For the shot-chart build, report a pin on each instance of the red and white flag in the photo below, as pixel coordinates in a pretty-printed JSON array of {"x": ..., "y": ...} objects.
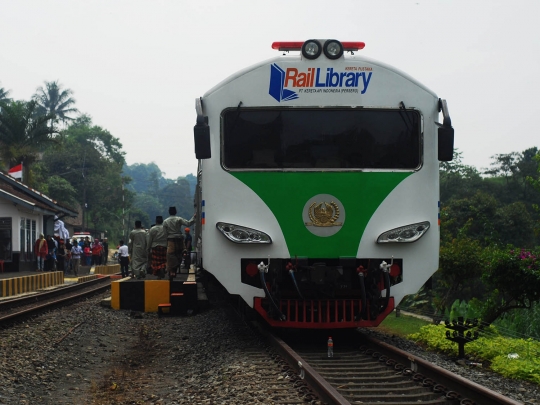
[{"x": 16, "y": 171}]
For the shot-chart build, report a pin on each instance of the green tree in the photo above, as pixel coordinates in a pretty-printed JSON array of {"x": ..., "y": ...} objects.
[
  {"x": 177, "y": 195},
  {"x": 146, "y": 178},
  {"x": 458, "y": 180},
  {"x": 149, "y": 204},
  {"x": 60, "y": 189},
  {"x": 460, "y": 267},
  {"x": 513, "y": 278},
  {"x": 52, "y": 99},
  {"x": 534, "y": 181},
  {"x": 4, "y": 96},
  {"x": 23, "y": 134},
  {"x": 91, "y": 160}
]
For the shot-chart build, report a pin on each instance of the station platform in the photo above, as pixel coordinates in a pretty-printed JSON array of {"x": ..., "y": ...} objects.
[
  {"x": 181, "y": 295},
  {"x": 17, "y": 283},
  {"x": 30, "y": 282}
]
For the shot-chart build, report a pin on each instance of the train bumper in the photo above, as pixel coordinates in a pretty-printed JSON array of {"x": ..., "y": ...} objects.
[{"x": 320, "y": 314}]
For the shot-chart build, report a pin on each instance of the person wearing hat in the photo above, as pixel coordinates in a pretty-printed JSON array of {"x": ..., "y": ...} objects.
[
  {"x": 188, "y": 241},
  {"x": 175, "y": 240},
  {"x": 157, "y": 248},
  {"x": 41, "y": 250},
  {"x": 137, "y": 251}
]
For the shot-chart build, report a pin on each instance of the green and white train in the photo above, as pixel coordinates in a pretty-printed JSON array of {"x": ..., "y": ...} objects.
[{"x": 318, "y": 185}]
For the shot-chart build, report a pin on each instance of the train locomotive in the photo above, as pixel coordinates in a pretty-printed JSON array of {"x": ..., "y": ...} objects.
[{"x": 318, "y": 185}]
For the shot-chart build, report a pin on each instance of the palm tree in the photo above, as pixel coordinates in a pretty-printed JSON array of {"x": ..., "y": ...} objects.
[
  {"x": 4, "y": 95},
  {"x": 23, "y": 133},
  {"x": 54, "y": 100}
]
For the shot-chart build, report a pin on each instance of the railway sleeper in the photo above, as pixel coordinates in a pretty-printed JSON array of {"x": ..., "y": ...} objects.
[
  {"x": 386, "y": 391},
  {"x": 385, "y": 397}
]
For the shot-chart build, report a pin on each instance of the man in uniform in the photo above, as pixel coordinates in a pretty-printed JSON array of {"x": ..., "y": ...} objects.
[
  {"x": 175, "y": 240},
  {"x": 157, "y": 248},
  {"x": 138, "y": 251},
  {"x": 188, "y": 241}
]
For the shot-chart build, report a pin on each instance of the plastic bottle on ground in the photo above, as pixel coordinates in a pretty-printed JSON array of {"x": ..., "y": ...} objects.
[{"x": 330, "y": 347}]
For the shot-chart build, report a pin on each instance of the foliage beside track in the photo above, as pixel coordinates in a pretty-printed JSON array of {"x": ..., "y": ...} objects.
[{"x": 515, "y": 358}]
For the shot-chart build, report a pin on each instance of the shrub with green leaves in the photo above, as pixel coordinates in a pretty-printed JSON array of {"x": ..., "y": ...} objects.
[{"x": 513, "y": 358}]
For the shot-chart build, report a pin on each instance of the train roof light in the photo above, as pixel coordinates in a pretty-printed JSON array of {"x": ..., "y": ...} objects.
[
  {"x": 242, "y": 234},
  {"x": 288, "y": 45},
  {"x": 311, "y": 49},
  {"x": 333, "y": 49},
  {"x": 404, "y": 234},
  {"x": 353, "y": 46}
]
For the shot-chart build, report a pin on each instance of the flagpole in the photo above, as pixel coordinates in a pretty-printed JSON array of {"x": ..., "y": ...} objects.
[{"x": 22, "y": 172}]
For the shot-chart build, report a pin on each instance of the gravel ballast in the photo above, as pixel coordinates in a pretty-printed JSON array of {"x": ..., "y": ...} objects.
[{"x": 89, "y": 354}]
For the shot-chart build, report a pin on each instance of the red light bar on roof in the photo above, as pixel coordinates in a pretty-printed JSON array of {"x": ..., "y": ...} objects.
[
  {"x": 297, "y": 45},
  {"x": 353, "y": 46},
  {"x": 287, "y": 45}
]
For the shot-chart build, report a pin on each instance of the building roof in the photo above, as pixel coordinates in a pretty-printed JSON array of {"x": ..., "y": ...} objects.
[{"x": 20, "y": 194}]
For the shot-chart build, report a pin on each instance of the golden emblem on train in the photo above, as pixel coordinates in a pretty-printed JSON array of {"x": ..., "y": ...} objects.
[{"x": 323, "y": 214}]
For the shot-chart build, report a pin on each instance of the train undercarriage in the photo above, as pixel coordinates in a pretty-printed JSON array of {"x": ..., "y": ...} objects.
[{"x": 323, "y": 293}]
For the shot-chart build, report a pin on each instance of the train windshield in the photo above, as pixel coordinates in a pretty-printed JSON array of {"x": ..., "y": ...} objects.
[{"x": 301, "y": 138}]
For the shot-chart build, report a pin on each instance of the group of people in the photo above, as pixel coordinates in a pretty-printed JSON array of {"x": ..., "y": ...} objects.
[
  {"x": 54, "y": 253},
  {"x": 159, "y": 250}
]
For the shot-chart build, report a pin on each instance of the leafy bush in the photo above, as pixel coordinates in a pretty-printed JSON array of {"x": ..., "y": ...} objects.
[{"x": 513, "y": 358}]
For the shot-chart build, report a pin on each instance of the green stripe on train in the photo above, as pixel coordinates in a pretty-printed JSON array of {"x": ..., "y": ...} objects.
[{"x": 286, "y": 193}]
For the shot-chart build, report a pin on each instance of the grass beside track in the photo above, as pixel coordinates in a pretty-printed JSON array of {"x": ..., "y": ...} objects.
[{"x": 401, "y": 326}]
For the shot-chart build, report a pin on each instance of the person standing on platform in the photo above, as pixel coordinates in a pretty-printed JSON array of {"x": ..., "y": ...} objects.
[
  {"x": 76, "y": 253},
  {"x": 41, "y": 250},
  {"x": 87, "y": 249},
  {"x": 105, "y": 251},
  {"x": 157, "y": 248},
  {"x": 61, "y": 257},
  {"x": 51, "y": 246},
  {"x": 68, "y": 256},
  {"x": 123, "y": 255},
  {"x": 97, "y": 250},
  {"x": 175, "y": 240},
  {"x": 188, "y": 242},
  {"x": 138, "y": 251}
]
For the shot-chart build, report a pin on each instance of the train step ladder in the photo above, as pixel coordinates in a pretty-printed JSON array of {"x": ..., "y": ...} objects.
[
  {"x": 178, "y": 303},
  {"x": 161, "y": 307}
]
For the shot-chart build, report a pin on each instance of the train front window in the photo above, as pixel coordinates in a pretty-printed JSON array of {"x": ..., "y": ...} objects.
[{"x": 297, "y": 138}]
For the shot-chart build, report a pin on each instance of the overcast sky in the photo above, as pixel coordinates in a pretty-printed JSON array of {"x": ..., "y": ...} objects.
[{"x": 137, "y": 66}]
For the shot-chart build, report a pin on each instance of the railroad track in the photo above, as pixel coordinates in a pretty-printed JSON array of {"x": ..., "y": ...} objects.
[
  {"x": 363, "y": 371},
  {"x": 377, "y": 373},
  {"x": 18, "y": 307}
]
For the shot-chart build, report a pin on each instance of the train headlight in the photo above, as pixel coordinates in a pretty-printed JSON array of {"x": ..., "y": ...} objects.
[
  {"x": 333, "y": 49},
  {"x": 242, "y": 234},
  {"x": 311, "y": 49},
  {"x": 404, "y": 234}
]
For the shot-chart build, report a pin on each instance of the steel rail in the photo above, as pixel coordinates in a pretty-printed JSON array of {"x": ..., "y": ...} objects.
[
  {"x": 36, "y": 296},
  {"x": 67, "y": 297},
  {"x": 467, "y": 389},
  {"x": 321, "y": 387}
]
